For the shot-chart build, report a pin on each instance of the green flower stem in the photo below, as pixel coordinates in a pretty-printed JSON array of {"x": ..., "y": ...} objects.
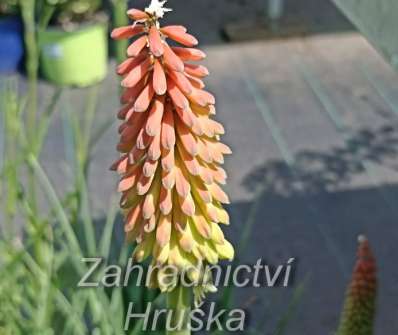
[
  {"x": 32, "y": 60},
  {"x": 10, "y": 160},
  {"x": 179, "y": 302},
  {"x": 47, "y": 12},
  {"x": 32, "y": 67},
  {"x": 120, "y": 19},
  {"x": 28, "y": 9}
]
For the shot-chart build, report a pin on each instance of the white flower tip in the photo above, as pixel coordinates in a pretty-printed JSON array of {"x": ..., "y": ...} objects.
[
  {"x": 362, "y": 238},
  {"x": 156, "y": 8}
]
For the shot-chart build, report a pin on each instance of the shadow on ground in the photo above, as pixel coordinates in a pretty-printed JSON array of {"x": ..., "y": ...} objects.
[
  {"x": 316, "y": 171},
  {"x": 308, "y": 212}
]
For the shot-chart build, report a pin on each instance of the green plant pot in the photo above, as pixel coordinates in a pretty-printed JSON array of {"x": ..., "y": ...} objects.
[{"x": 78, "y": 58}]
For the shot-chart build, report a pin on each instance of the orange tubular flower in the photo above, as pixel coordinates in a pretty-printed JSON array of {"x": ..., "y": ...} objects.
[{"x": 170, "y": 152}]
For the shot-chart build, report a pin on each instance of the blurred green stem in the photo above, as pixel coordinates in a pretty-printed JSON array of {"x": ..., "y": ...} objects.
[
  {"x": 32, "y": 61},
  {"x": 35, "y": 130},
  {"x": 9, "y": 171},
  {"x": 90, "y": 111},
  {"x": 80, "y": 130},
  {"x": 28, "y": 8},
  {"x": 47, "y": 12},
  {"x": 120, "y": 19},
  {"x": 179, "y": 302},
  {"x": 45, "y": 121},
  {"x": 32, "y": 67}
]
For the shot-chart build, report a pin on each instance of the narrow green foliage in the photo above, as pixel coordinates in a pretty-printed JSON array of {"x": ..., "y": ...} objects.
[{"x": 10, "y": 158}]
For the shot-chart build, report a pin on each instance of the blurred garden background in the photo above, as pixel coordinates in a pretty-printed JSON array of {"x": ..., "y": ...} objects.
[{"x": 310, "y": 108}]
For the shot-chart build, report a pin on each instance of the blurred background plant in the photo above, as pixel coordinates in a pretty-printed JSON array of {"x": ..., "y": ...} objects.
[
  {"x": 72, "y": 13},
  {"x": 8, "y": 7},
  {"x": 41, "y": 262},
  {"x": 41, "y": 259}
]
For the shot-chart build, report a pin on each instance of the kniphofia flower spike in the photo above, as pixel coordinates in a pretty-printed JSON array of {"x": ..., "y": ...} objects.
[
  {"x": 170, "y": 152},
  {"x": 359, "y": 309}
]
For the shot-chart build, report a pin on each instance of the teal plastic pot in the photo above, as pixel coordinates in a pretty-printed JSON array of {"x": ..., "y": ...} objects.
[{"x": 77, "y": 58}]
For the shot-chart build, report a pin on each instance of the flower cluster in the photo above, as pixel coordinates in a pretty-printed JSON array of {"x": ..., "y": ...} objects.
[
  {"x": 359, "y": 308},
  {"x": 170, "y": 151}
]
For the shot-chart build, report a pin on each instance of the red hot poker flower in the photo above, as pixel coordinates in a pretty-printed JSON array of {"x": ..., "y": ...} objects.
[
  {"x": 170, "y": 151},
  {"x": 359, "y": 309}
]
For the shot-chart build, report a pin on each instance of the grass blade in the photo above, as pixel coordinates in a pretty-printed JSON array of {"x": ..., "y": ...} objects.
[
  {"x": 106, "y": 239},
  {"x": 56, "y": 204},
  {"x": 292, "y": 308}
]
